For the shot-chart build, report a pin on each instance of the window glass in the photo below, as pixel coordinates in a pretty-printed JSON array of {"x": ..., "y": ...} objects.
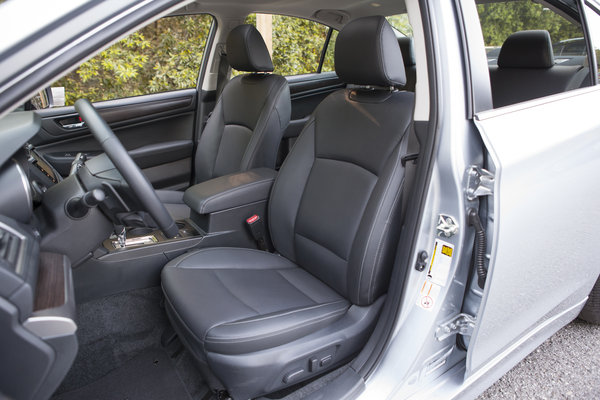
[
  {"x": 329, "y": 60},
  {"x": 401, "y": 24},
  {"x": 165, "y": 55},
  {"x": 593, "y": 24},
  {"x": 499, "y": 20},
  {"x": 295, "y": 44}
]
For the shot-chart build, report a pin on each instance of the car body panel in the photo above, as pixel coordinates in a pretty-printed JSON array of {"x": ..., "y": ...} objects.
[{"x": 546, "y": 189}]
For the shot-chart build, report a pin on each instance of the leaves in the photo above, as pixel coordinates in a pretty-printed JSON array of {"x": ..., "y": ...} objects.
[
  {"x": 499, "y": 20},
  {"x": 165, "y": 55}
]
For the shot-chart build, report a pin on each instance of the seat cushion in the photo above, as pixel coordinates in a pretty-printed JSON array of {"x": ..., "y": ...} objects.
[{"x": 235, "y": 301}]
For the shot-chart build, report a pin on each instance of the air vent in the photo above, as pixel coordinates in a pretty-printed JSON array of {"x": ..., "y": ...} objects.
[{"x": 9, "y": 248}]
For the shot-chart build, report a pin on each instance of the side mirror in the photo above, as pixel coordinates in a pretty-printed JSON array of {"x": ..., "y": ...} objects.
[{"x": 47, "y": 98}]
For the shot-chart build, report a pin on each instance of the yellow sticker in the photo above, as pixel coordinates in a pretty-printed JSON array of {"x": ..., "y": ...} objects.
[
  {"x": 447, "y": 250},
  {"x": 441, "y": 262}
]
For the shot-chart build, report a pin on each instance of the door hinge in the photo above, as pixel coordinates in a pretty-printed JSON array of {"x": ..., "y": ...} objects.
[
  {"x": 462, "y": 324},
  {"x": 480, "y": 182}
]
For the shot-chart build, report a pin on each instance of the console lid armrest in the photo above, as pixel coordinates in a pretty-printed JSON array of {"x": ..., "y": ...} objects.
[{"x": 230, "y": 191}]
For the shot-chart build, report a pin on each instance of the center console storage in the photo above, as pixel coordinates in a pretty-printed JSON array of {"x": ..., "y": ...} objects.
[{"x": 224, "y": 204}]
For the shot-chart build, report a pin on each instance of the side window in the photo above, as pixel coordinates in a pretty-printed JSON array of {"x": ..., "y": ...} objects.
[
  {"x": 329, "y": 59},
  {"x": 401, "y": 24},
  {"x": 527, "y": 71},
  {"x": 592, "y": 14},
  {"x": 165, "y": 55},
  {"x": 296, "y": 44},
  {"x": 500, "y": 19}
]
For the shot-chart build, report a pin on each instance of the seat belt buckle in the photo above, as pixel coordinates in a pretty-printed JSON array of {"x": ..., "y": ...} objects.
[{"x": 258, "y": 231}]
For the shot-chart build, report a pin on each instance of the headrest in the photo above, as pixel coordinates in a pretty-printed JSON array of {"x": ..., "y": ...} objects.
[
  {"x": 527, "y": 49},
  {"x": 247, "y": 51},
  {"x": 406, "y": 47},
  {"x": 367, "y": 53}
]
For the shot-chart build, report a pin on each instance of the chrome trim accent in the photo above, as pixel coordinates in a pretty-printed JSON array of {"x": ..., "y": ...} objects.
[{"x": 48, "y": 327}]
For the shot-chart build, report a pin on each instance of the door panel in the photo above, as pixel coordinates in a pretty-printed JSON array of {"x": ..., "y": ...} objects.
[
  {"x": 157, "y": 130},
  {"x": 546, "y": 216}
]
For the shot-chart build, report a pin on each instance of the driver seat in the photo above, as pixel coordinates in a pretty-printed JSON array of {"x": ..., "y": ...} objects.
[
  {"x": 245, "y": 128},
  {"x": 258, "y": 321}
]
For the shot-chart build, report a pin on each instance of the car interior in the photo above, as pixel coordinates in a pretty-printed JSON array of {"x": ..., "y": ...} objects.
[{"x": 231, "y": 242}]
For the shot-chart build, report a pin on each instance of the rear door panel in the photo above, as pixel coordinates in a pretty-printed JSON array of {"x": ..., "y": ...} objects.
[
  {"x": 156, "y": 129},
  {"x": 546, "y": 217}
]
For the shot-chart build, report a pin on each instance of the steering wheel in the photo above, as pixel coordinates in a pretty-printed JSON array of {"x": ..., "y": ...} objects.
[{"x": 127, "y": 167}]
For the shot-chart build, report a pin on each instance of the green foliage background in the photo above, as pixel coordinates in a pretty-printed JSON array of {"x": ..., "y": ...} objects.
[
  {"x": 167, "y": 54},
  {"x": 297, "y": 45},
  {"x": 499, "y": 20}
]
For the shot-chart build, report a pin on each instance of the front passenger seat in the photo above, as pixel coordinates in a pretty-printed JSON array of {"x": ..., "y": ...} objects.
[
  {"x": 245, "y": 128},
  {"x": 259, "y": 321}
]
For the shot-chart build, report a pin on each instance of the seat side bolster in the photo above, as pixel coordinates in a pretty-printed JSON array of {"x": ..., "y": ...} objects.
[{"x": 267, "y": 331}]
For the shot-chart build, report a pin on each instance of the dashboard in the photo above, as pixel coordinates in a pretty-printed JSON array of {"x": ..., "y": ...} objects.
[{"x": 37, "y": 302}]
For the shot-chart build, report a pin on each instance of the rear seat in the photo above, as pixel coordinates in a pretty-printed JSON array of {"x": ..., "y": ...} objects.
[
  {"x": 526, "y": 70},
  {"x": 408, "y": 55}
]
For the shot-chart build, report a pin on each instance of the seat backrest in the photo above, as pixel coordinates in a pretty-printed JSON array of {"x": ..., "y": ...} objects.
[
  {"x": 408, "y": 55},
  {"x": 245, "y": 128},
  {"x": 526, "y": 70},
  {"x": 335, "y": 203}
]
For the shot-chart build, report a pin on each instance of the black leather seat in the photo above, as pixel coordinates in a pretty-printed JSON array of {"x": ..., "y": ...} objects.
[
  {"x": 259, "y": 321},
  {"x": 245, "y": 128},
  {"x": 408, "y": 55},
  {"x": 526, "y": 70}
]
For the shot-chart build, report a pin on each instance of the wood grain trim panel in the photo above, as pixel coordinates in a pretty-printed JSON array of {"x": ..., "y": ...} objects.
[{"x": 50, "y": 288}]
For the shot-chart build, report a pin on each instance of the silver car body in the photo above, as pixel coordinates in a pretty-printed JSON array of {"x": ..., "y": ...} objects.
[{"x": 542, "y": 208}]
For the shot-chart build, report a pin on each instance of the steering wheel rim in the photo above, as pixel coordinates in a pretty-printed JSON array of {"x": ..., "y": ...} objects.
[{"x": 132, "y": 174}]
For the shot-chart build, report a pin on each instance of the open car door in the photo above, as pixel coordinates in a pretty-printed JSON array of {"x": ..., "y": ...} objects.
[{"x": 542, "y": 226}]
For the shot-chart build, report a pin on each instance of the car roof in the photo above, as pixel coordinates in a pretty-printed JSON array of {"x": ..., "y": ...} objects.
[{"x": 334, "y": 13}]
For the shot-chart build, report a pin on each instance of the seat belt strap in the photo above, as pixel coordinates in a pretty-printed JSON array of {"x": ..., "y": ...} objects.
[{"x": 409, "y": 161}]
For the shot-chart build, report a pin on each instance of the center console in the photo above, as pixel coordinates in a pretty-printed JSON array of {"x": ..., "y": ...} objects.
[{"x": 219, "y": 210}]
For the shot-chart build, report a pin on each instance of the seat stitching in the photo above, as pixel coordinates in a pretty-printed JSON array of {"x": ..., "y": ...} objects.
[
  {"x": 372, "y": 230},
  {"x": 217, "y": 249},
  {"x": 263, "y": 120},
  {"x": 300, "y": 290},
  {"x": 188, "y": 329},
  {"x": 228, "y": 192},
  {"x": 214, "y": 339},
  {"x": 403, "y": 145},
  {"x": 291, "y": 312},
  {"x": 319, "y": 244},
  {"x": 379, "y": 252},
  {"x": 346, "y": 162}
]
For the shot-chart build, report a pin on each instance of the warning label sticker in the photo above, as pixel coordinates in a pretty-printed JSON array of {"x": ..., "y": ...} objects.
[
  {"x": 428, "y": 295},
  {"x": 441, "y": 260},
  {"x": 437, "y": 275}
]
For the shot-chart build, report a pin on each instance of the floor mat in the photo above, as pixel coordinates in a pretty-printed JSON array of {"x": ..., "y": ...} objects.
[{"x": 148, "y": 376}]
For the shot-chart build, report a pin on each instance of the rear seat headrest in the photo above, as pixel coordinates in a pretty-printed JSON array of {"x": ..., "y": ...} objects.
[
  {"x": 406, "y": 47},
  {"x": 527, "y": 49},
  {"x": 247, "y": 51},
  {"x": 367, "y": 53}
]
